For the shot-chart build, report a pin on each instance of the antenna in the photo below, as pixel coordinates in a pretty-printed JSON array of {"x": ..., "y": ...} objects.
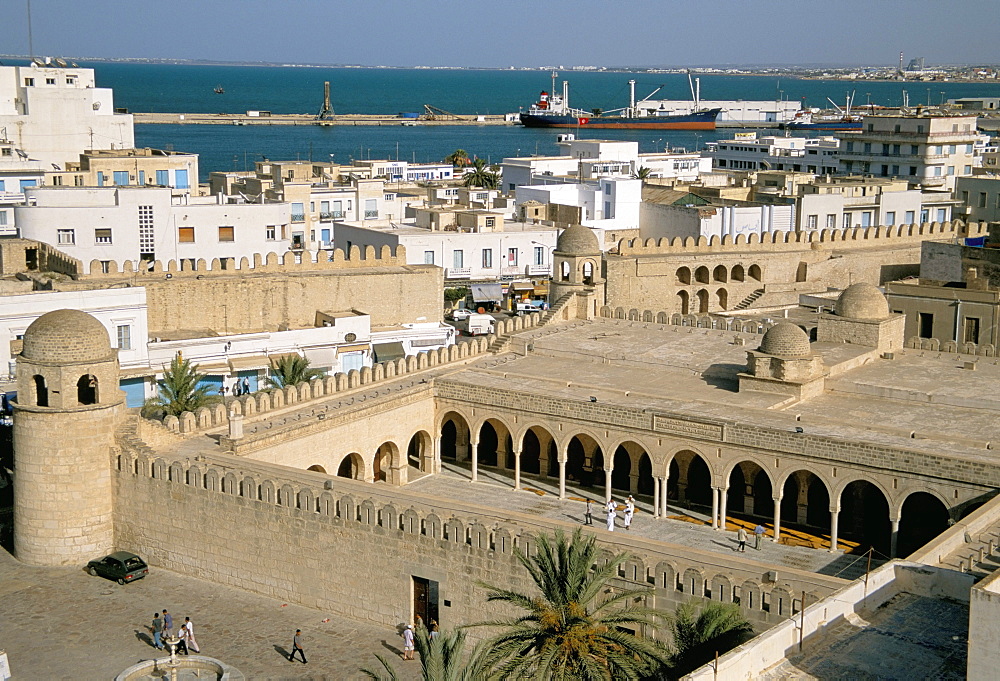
[{"x": 31, "y": 42}]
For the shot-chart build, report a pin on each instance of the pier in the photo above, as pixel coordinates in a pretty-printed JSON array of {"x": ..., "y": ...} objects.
[{"x": 267, "y": 118}]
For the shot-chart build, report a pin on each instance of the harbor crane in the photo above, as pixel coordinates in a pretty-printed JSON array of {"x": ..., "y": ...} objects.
[
  {"x": 433, "y": 114},
  {"x": 326, "y": 111}
]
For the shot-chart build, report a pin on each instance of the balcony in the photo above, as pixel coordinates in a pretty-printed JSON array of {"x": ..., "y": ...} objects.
[
  {"x": 298, "y": 217},
  {"x": 511, "y": 271},
  {"x": 371, "y": 215},
  {"x": 325, "y": 215},
  {"x": 458, "y": 273},
  {"x": 539, "y": 270}
]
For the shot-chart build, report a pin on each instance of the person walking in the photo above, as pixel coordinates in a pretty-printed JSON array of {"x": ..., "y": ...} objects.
[
  {"x": 408, "y": 642},
  {"x": 741, "y": 537},
  {"x": 188, "y": 631},
  {"x": 612, "y": 514},
  {"x": 246, "y": 385},
  {"x": 758, "y": 532},
  {"x": 297, "y": 647},
  {"x": 157, "y": 631},
  {"x": 168, "y": 624},
  {"x": 629, "y": 511},
  {"x": 588, "y": 516}
]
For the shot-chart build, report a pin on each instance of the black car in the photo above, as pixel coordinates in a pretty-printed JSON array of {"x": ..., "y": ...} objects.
[{"x": 121, "y": 566}]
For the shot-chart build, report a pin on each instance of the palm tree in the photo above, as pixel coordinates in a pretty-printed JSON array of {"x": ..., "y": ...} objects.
[
  {"x": 641, "y": 173},
  {"x": 576, "y": 627},
  {"x": 179, "y": 390},
  {"x": 441, "y": 658},
  {"x": 458, "y": 158},
  {"x": 291, "y": 369},
  {"x": 719, "y": 627},
  {"x": 481, "y": 176}
]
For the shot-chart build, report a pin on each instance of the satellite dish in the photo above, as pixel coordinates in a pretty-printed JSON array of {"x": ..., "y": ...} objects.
[
  {"x": 61, "y": 62},
  {"x": 37, "y": 61},
  {"x": 73, "y": 64},
  {"x": 21, "y": 153}
]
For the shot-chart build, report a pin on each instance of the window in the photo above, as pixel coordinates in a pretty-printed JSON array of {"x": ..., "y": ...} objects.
[
  {"x": 920, "y": 129},
  {"x": 607, "y": 189},
  {"x": 914, "y": 150},
  {"x": 29, "y": 82},
  {"x": 482, "y": 196},
  {"x": 487, "y": 258},
  {"x": 942, "y": 214},
  {"x": 847, "y": 221},
  {"x": 895, "y": 149},
  {"x": 124, "y": 334},
  {"x": 913, "y": 170},
  {"x": 3, "y": 217},
  {"x": 78, "y": 180},
  {"x": 181, "y": 178},
  {"x": 458, "y": 259},
  {"x": 227, "y": 234},
  {"x": 539, "y": 255},
  {"x": 910, "y": 215},
  {"x": 102, "y": 235},
  {"x": 982, "y": 199},
  {"x": 298, "y": 212},
  {"x": 951, "y": 148},
  {"x": 895, "y": 170},
  {"x": 924, "y": 215},
  {"x": 967, "y": 170},
  {"x": 269, "y": 233},
  {"x": 71, "y": 80},
  {"x": 491, "y": 222},
  {"x": 850, "y": 146},
  {"x": 50, "y": 81},
  {"x": 371, "y": 209},
  {"x": 163, "y": 177},
  {"x": 896, "y": 128},
  {"x": 428, "y": 257},
  {"x": 831, "y": 221},
  {"x": 512, "y": 257},
  {"x": 65, "y": 237},
  {"x": 937, "y": 171},
  {"x": 185, "y": 235},
  {"x": 925, "y": 320},
  {"x": 951, "y": 170},
  {"x": 100, "y": 179},
  {"x": 812, "y": 222},
  {"x": 121, "y": 178},
  {"x": 868, "y": 147},
  {"x": 890, "y": 218},
  {"x": 971, "y": 330}
]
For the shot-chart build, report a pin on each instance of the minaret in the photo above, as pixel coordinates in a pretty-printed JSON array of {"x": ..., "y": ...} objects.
[
  {"x": 577, "y": 267},
  {"x": 68, "y": 406}
]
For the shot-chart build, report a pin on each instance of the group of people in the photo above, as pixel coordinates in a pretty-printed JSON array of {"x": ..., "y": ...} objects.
[
  {"x": 612, "y": 511},
  {"x": 163, "y": 628},
  {"x": 741, "y": 537},
  {"x": 409, "y": 636},
  {"x": 239, "y": 388}
]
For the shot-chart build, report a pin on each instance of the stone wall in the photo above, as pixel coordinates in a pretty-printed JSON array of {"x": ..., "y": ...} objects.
[{"x": 351, "y": 547}]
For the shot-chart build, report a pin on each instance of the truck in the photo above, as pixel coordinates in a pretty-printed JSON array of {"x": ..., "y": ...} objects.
[{"x": 480, "y": 324}]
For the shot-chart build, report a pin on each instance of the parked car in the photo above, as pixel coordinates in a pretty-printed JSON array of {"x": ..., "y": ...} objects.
[
  {"x": 460, "y": 314},
  {"x": 121, "y": 566}
]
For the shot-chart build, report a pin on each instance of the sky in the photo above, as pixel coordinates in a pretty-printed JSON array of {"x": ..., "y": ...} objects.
[{"x": 506, "y": 33}]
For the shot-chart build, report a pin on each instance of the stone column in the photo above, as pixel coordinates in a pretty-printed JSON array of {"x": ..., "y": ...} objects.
[
  {"x": 633, "y": 483},
  {"x": 715, "y": 508},
  {"x": 656, "y": 497},
  {"x": 663, "y": 494},
  {"x": 474, "y": 449},
  {"x": 517, "y": 467},
  {"x": 724, "y": 493},
  {"x": 834, "y": 519},
  {"x": 462, "y": 446},
  {"x": 777, "y": 519},
  {"x": 894, "y": 537},
  {"x": 502, "y": 458},
  {"x": 544, "y": 445},
  {"x": 607, "y": 486},
  {"x": 562, "y": 477},
  {"x": 437, "y": 455}
]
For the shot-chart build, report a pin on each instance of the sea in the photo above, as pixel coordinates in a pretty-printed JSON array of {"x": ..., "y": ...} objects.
[{"x": 183, "y": 88}]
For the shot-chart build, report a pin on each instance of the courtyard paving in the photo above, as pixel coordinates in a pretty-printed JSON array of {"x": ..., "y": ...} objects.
[
  {"x": 61, "y": 623},
  {"x": 540, "y": 497}
]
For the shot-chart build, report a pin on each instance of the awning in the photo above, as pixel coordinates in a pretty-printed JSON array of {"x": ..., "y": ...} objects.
[
  {"x": 321, "y": 357},
  {"x": 521, "y": 286},
  {"x": 278, "y": 356},
  {"x": 211, "y": 368},
  {"x": 385, "y": 352},
  {"x": 249, "y": 362},
  {"x": 486, "y": 293},
  {"x": 136, "y": 372},
  {"x": 356, "y": 347}
]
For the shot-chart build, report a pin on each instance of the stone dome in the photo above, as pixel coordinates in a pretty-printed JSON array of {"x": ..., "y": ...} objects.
[
  {"x": 578, "y": 240},
  {"x": 862, "y": 301},
  {"x": 66, "y": 336},
  {"x": 785, "y": 339}
]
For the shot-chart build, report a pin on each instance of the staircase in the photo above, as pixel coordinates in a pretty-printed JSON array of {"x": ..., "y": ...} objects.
[
  {"x": 749, "y": 300},
  {"x": 501, "y": 343}
]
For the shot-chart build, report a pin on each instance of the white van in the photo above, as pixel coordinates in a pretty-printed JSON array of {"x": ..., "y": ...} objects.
[{"x": 481, "y": 324}]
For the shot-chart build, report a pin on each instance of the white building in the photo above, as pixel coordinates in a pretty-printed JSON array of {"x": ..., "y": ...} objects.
[
  {"x": 132, "y": 223},
  {"x": 404, "y": 171},
  {"x": 17, "y": 173},
  {"x": 609, "y": 205},
  {"x": 53, "y": 113},
  {"x": 682, "y": 214},
  {"x": 747, "y": 151},
  {"x": 481, "y": 246},
  {"x": 843, "y": 202},
  {"x": 929, "y": 149},
  {"x": 734, "y": 112}
]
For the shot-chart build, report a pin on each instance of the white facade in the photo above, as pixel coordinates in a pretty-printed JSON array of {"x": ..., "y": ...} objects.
[
  {"x": 404, "y": 171},
  {"x": 667, "y": 221},
  {"x": 55, "y": 113},
  {"x": 929, "y": 150},
  {"x": 610, "y": 204},
  {"x": 17, "y": 173},
  {"x": 119, "y": 224},
  {"x": 122, "y": 311},
  {"x": 842, "y": 203},
  {"x": 518, "y": 250},
  {"x": 817, "y": 155}
]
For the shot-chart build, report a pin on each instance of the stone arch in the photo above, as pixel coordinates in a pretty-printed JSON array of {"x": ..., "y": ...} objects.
[
  {"x": 316, "y": 468},
  {"x": 684, "y": 275},
  {"x": 87, "y": 390},
  {"x": 420, "y": 451},
  {"x": 492, "y": 438},
  {"x": 39, "y": 391},
  {"x": 385, "y": 459},
  {"x": 737, "y": 273},
  {"x": 684, "y": 302},
  {"x": 351, "y": 466},
  {"x": 864, "y": 515},
  {"x": 922, "y": 516},
  {"x": 805, "y": 499},
  {"x": 754, "y": 272},
  {"x": 690, "y": 480},
  {"x": 720, "y": 274},
  {"x": 702, "y": 301},
  {"x": 722, "y": 299},
  {"x": 538, "y": 451},
  {"x": 454, "y": 431},
  {"x": 751, "y": 489},
  {"x": 585, "y": 460},
  {"x": 701, "y": 275}
]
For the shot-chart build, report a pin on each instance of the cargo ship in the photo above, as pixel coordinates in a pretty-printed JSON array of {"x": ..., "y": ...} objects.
[
  {"x": 843, "y": 119},
  {"x": 553, "y": 111}
]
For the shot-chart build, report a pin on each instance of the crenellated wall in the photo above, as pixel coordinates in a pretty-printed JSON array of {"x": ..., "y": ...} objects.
[{"x": 352, "y": 547}]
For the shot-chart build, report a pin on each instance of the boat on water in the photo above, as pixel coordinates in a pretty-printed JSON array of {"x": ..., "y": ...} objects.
[
  {"x": 218, "y": 90},
  {"x": 843, "y": 119},
  {"x": 553, "y": 111}
]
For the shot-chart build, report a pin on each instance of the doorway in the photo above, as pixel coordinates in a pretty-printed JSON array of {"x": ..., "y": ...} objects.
[{"x": 425, "y": 600}]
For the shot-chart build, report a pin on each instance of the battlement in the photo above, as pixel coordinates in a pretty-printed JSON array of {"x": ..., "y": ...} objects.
[
  {"x": 854, "y": 237},
  {"x": 289, "y": 262}
]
